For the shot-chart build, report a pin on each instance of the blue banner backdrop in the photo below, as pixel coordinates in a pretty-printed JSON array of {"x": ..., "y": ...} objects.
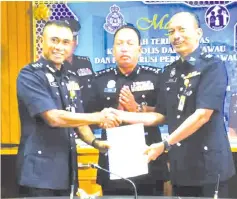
[{"x": 99, "y": 20}]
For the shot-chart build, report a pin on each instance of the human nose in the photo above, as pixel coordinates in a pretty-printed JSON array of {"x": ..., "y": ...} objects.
[
  {"x": 124, "y": 47},
  {"x": 177, "y": 35},
  {"x": 59, "y": 46}
]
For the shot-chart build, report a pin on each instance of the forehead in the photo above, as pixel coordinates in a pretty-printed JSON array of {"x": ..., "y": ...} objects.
[
  {"x": 182, "y": 20},
  {"x": 59, "y": 32},
  {"x": 126, "y": 34}
]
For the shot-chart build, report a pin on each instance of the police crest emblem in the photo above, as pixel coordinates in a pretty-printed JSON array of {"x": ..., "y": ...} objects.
[
  {"x": 113, "y": 20},
  {"x": 172, "y": 73}
]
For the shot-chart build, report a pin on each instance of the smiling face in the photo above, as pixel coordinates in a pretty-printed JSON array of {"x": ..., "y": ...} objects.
[
  {"x": 184, "y": 33},
  {"x": 126, "y": 49},
  {"x": 57, "y": 44}
]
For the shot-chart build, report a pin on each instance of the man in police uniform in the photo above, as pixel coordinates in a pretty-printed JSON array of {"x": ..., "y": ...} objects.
[
  {"x": 191, "y": 103},
  {"x": 81, "y": 65},
  {"x": 129, "y": 87},
  {"x": 50, "y": 107}
]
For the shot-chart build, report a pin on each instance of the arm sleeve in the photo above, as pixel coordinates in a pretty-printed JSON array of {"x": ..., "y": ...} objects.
[
  {"x": 212, "y": 87},
  {"x": 32, "y": 91}
]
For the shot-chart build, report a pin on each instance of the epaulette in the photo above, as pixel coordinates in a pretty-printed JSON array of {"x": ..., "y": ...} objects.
[
  {"x": 153, "y": 69},
  {"x": 36, "y": 65},
  {"x": 105, "y": 71},
  {"x": 83, "y": 57},
  {"x": 206, "y": 56},
  {"x": 71, "y": 72}
]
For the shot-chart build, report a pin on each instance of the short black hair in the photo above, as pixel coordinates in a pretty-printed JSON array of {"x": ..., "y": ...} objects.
[
  {"x": 74, "y": 24},
  {"x": 58, "y": 23},
  {"x": 129, "y": 26}
]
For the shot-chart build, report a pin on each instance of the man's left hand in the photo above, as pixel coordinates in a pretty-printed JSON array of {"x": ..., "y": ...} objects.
[
  {"x": 154, "y": 151},
  {"x": 127, "y": 100},
  {"x": 102, "y": 145}
]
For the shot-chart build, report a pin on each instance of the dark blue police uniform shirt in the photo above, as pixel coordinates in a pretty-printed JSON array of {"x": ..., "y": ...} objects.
[
  {"x": 81, "y": 65},
  {"x": 44, "y": 152},
  {"x": 201, "y": 157},
  {"x": 105, "y": 93}
]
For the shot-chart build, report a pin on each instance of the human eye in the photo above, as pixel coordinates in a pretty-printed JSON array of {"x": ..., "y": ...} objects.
[
  {"x": 170, "y": 32},
  {"x": 55, "y": 40},
  {"x": 131, "y": 43},
  {"x": 66, "y": 42},
  {"x": 182, "y": 29}
]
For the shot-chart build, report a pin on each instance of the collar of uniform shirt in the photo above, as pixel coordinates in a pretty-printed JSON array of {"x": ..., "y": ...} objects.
[
  {"x": 134, "y": 72},
  {"x": 191, "y": 58}
]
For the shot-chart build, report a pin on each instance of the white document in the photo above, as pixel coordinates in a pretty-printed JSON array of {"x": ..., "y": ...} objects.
[{"x": 126, "y": 155}]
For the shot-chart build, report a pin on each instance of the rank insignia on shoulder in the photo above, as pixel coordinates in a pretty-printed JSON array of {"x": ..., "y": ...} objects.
[
  {"x": 37, "y": 65},
  {"x": 208, "y": 56},
  {"x": 151, "y": 68},
  {"x": 107, "y": 70},
  {"x": 192, "y": 59},
  {"x": 83, "y": 58}
]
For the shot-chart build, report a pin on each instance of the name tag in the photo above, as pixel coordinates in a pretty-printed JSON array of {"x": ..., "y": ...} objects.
[
  {"x": 110, "y": 90},
  {"x": 181, "y": 103}
]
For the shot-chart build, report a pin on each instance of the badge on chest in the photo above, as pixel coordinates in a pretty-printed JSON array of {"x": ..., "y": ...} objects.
[
  {"x": 111, "y": 87},
  {"x": 187, "y": 92}
]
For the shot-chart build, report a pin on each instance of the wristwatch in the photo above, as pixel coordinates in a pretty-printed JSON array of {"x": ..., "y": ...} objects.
[{"x": 167, "y": 146}]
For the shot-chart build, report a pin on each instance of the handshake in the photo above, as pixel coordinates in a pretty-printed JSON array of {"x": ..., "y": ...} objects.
[{"x": 110, "y": 117}]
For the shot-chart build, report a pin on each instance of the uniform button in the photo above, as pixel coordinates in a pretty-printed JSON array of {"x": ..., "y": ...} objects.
[
  {"x": 178, "y": 144},
  {"x": 62, "y": 83},
  {"x": 39, "y": 152},
  {"x": 66, "y": 96},
  {"x": 143, "y": 96},
  {"x": 178, "y": 116},
  {"x": 168, "y": 88},
  {"x": 70, "y": 135},
  {"x": 57, "y": 93},
  {"x": 89, "y": 80},
  {"x": 75, "y": 97},
  {"x": 81, "y": 101},
  {"x": 190, "y": 85},
  {"x": 182, "y": 75},
  {"x": 71, "y": 148},
  {"x": 108, "y": 98},
  {"x": 205, "y": 148},
  {"x": 181, "y": 88},
  {"x": 89, "y": 86}
]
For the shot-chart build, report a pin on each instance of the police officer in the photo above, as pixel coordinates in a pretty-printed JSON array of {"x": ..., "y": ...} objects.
[
  {"x": 81, "y": 65},
  {"x": 49, "y": 106},
  {"x": 191, "y": 103},
  {"x": 130, "y": 87}
]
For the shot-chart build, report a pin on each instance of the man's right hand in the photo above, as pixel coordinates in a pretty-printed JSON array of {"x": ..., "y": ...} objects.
[{"x": 109, "y": 118}]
